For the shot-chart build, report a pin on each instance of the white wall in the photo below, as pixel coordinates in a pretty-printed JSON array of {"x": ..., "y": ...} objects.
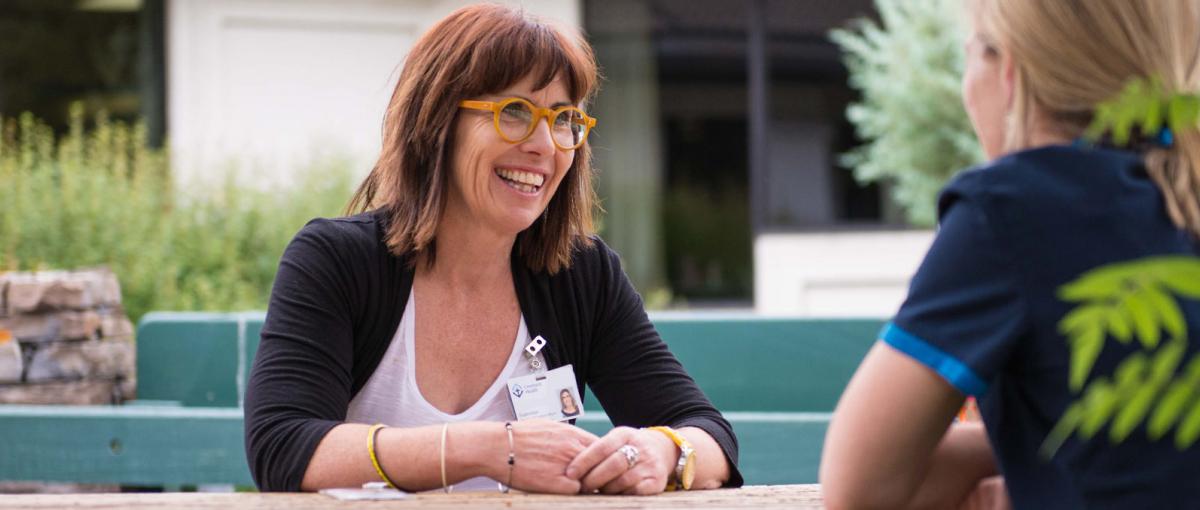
[
  {"x": 275, "y": 84},
  {"x": 836, "y": 274}
]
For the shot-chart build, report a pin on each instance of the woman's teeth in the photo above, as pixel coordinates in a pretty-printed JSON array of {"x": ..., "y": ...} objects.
[{"x": 527, "y": 182}]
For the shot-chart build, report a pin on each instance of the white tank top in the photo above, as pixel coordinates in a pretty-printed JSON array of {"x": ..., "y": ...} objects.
[{"x": 391, "y": 395}]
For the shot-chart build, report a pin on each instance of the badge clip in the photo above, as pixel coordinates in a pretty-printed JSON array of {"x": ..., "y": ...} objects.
[
  {"x": 535, "y": 345},
  {"x": 531, "y": 351}
]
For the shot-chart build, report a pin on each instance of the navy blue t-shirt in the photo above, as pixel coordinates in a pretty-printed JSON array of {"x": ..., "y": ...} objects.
[{"x": 1059, "y": 293}]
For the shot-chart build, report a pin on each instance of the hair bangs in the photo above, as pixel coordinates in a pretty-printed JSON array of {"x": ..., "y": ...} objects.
[{"x": 520, "y": 48}]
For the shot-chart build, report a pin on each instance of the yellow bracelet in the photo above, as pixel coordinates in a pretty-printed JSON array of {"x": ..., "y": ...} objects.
[
  {"x": 371, "y": 433},
  {"x": 685, "y": 470}
]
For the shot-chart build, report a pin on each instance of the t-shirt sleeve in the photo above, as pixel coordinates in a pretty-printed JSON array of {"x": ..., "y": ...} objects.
[{"x": 964, "y": 310}]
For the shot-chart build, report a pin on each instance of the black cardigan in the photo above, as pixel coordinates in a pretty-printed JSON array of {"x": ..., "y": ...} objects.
[{"x": 337, "y": 302}]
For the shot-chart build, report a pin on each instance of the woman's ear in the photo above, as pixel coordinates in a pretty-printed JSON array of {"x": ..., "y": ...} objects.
[{"x": 1008, "y": 76}]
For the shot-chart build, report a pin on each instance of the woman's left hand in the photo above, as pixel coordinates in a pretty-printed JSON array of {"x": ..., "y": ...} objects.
[{"x": 606, "y": 467}]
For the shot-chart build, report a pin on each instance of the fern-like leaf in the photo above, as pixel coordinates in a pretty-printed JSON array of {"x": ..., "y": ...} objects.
[
  {"x": 1120, "y": 324},
  {"x": 1183, "y": 111},
  {"x": 1085, "y": 348},
  {"x": 1145, "y": 323},
  {"x": 1128, "y": 300},
  {"x": 1145, "y": 104},
  {"x": 1132, "y": 412},
  {"x": 1105, "y": 282},
  {"x": 1167, "y": 310},
  {"x": 1189, "y": 429},
  {"x": 1062, "y": 430},
  {"x": 1152, "y": 115},
  {"x": 1099, "y": 402},
  {"x": 1083, "y": 317},
  {"x": 1169, "y": 408},
  {"x": 1167, "y": 359},
  {"x": 1181, "y": 275},
  {"x": 1140, "y": 391}
]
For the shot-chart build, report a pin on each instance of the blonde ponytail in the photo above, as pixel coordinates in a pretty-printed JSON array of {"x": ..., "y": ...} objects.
[
  {"x": 1176, "y": 171},
  {"x": 1071, "y": 55}
]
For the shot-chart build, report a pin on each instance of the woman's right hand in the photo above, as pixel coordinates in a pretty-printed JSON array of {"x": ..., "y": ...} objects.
[{"x": 542, "y": 450}]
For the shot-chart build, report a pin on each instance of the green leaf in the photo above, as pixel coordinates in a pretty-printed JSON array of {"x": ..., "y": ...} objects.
[
  {"x": 1189, "y": 430},
  {"x": 1099, "y": 402},
  {"x": 1167, "y": 412},
  {"x": 1119, "y": 324},
  {"x": 1062, "y": 430},
  {"x": 1131, "y": 372},
  {"x": 1085, "y": 347},
  {"x": 1083, "y": 317},
  {"x": 1141, "y": 309},
  {"x": 1133, "y": 412},
  {"x": 1166, "y": 360},
  {"x": 1167, "y": 310},
  {"x": 1183, "y": 112},
  {"x": 1104, "y": 282},
  {"x": 1100, "y": 122},
  {"x": 1192, "y": 372},
  {"x": 1138, "y": 393},
  {"x": 1152, "y": 116},
  {"x": 1181, "y": 275},
  {"x": 1122, "y": 126}
]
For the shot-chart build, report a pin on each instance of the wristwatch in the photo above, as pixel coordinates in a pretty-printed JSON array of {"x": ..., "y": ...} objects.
[{"x": 685, "y": 469}]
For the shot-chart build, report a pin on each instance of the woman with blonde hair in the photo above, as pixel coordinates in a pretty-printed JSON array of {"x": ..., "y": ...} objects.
[{"x": 1062, "y": 289}]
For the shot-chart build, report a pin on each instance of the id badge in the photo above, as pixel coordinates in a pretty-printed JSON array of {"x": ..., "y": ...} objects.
[{"x": 550, "y": 395}]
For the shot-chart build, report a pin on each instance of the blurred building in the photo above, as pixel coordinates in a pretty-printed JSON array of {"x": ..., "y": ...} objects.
[{"x": 721, "y": 121}]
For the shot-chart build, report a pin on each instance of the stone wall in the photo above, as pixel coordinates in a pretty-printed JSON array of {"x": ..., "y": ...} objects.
[{"x": 64, "y": 339}]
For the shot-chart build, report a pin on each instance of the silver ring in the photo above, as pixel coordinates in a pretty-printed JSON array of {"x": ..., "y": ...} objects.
[{"x": 631, "y": 454}]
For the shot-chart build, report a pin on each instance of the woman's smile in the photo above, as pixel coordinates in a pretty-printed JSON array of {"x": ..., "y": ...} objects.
[{"x": 522, "y": 180}]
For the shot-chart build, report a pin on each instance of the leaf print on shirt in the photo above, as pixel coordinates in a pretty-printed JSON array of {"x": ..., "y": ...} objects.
[{"x": 1136, "y": 300}]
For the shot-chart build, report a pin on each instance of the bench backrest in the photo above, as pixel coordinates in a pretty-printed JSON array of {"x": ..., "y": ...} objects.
[
  {"x": 743, "y": 362},
  {"x": 196, "y": 359}
]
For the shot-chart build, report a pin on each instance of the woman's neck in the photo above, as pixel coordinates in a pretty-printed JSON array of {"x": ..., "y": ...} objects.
[
  {"x": 469, "y": 255},
  {"x": 1045, "y": 131}
]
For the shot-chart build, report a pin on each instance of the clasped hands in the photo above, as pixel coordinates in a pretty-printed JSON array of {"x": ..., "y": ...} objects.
[{"x": 555, "y": 457}]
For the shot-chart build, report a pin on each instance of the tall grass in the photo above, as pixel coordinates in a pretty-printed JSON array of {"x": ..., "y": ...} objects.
[{"x": 103, "y": 197}]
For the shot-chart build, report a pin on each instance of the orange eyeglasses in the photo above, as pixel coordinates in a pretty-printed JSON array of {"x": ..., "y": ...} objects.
[{"x": 515, "y": 119}]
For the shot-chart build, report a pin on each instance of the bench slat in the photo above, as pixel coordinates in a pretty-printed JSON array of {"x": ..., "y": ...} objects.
[{"x": 129, "y": 445}]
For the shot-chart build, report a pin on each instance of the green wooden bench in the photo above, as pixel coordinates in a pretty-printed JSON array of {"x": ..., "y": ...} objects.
[{"x": 776, "y": 380}]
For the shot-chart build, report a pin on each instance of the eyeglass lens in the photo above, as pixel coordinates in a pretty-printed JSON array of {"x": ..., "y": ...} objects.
[{"x": 516, "y": 123}]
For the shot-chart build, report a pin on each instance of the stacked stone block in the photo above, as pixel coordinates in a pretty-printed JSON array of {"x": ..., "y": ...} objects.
[{"x": 64, "y": 339}]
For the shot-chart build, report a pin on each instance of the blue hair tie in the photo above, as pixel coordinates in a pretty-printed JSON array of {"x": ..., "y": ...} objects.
[{"x": 1165, "y": 138}]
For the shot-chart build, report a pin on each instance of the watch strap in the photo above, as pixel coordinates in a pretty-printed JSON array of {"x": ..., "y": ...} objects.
[{"x": 685, "y": 453}]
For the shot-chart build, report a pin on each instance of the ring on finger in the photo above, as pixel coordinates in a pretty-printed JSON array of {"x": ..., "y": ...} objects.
[{"x": 631, "y": 454}]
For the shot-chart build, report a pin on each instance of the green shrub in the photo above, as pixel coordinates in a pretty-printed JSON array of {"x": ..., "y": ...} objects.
[
  {"x": 708, "y": 247},
  {"x": 907, "y": 68},
  {"x": 103, "y": 197}
]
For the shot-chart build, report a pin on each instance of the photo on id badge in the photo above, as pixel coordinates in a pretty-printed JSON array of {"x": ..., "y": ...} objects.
[{"x": 549, "y": 395}]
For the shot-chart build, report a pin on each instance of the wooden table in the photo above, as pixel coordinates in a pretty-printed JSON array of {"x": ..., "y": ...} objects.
[{"x": 760, "y": 496}]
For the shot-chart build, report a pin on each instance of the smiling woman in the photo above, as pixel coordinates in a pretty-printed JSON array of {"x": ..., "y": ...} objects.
[{"x": 469, "y": 272}]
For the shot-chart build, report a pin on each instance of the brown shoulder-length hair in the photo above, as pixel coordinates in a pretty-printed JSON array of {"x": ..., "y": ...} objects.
[{"x": 476, "y": 50}]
